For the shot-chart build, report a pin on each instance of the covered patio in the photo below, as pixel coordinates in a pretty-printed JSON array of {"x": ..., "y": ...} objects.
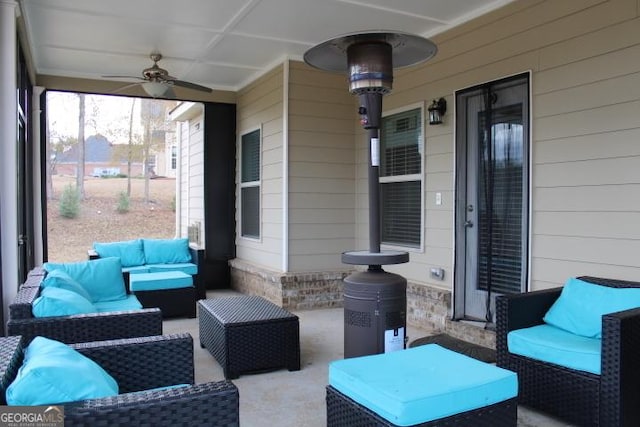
[
  {"x": 297, "y": 399},
  {"x": 530, "y": 178}
]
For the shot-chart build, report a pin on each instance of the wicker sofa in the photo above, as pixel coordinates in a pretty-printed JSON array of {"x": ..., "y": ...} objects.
[
  {"x": 79, "y": 327},
  {"x": 135, "y": 259},
  {"x": 140, "y": 366},
  {"x": 583, "y": 398}
]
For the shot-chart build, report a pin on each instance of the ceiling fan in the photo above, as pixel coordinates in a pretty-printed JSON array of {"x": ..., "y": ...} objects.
[{"x": 157, "y": 82}]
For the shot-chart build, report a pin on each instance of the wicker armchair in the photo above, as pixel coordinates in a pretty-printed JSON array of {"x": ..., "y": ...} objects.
[
  {"x": 609, "y": 399},
  {"x": 80, "y": 327},
  {"x": 139, "y": 365}
]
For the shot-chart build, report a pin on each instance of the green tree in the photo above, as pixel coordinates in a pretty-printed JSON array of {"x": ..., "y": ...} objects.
[
  {"x": 69, "y": 202},
  {"x": 123, "y": 202}
]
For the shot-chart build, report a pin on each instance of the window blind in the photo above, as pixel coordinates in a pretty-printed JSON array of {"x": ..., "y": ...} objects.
[{"x": 401, "y": 183}]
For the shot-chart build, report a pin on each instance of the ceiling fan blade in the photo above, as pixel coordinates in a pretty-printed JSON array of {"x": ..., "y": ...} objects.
[
  {"x": 123, "y": 88},
  {"x": 123, "y": 77},
  {"x": 193, "y": 86}
]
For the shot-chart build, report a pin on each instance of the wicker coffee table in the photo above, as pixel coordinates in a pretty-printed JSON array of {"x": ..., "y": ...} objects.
[{"x": 248, "y": 334}]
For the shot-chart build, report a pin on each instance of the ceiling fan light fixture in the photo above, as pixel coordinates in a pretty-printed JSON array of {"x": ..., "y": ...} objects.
[{"x": 155, "y": 89}]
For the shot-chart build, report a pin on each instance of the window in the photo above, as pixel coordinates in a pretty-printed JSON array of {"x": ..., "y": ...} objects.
[
  {"x": 174, "y": 157},
  {"x": 250, "y": 185},
  {"x": 401, "y": 178}
]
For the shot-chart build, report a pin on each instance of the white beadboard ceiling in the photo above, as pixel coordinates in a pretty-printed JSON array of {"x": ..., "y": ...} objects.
[{"x": 222, "y": 44}]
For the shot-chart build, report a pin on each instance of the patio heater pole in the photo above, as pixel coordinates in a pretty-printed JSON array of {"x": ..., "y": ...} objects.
[{"x": 375, "y": 301}]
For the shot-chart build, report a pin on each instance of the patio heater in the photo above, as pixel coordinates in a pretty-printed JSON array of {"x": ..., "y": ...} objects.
[{"x": 375, "y": 301}]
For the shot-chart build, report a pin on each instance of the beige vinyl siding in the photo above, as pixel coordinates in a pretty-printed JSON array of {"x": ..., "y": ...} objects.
[
  {"x": 584, "y": 56},
  {"x": 260, "y": 106},
  {"x": 196, "y": 172},
  {"x": 184, "y": 178},
  {"x": 321, "y": 169},
  {"x": 192, "y": 176}
]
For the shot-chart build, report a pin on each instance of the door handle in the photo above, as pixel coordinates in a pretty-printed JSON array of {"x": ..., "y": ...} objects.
[{"x": 468, "y": 223}]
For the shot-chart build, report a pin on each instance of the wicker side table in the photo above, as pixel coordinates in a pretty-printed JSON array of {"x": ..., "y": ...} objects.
[{"x": 248, "y": 334}]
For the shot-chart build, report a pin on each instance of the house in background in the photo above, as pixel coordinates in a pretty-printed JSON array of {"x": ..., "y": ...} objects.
[
  {"x": 100, "y": 159},
  {"x": 282, "y": 174}
]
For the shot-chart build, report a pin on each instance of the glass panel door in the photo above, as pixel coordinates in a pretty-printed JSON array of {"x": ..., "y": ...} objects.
[{"x": 492, "y": 184}]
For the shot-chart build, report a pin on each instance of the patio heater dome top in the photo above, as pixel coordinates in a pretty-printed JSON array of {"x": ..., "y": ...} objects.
[{"x": 407, "y": 49}]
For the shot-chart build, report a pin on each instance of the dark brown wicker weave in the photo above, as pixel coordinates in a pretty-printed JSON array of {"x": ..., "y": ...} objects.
[
  {"x": 343, "y": 411},
  {"x": 585, "y": 399},
  {"x": 138, "y": 365},
  {"x": 249, "y": 334},
  {"x": 180, "y": 302},
  {"x": 77, "y": 328}
]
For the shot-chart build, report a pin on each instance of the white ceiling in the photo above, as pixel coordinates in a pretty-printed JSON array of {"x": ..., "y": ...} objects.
[{"x": 222, "y": 44}]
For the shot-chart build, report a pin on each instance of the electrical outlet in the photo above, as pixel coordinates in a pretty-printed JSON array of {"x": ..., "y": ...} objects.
[{"x": 437, "y": 273}]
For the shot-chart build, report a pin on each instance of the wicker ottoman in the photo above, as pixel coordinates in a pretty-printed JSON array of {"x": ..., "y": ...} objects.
[
  {"x": 422, "y": 386},
  {"x": 171, "y": 291},
  {"x": 248, "y": 334}
]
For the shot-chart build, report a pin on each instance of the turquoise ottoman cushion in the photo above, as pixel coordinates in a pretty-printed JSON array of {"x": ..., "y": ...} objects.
[
  {"x": 129, "y": 303},
  {"x": 185, "y": 267},
  {"x": 158, "y": 281},
  {"x": 421, "y": 384},
  {"x": 136, "y": 269},
  {"x": 555, "y": 345}
]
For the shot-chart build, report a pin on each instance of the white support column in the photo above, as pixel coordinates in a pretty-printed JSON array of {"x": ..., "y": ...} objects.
[{"x": 8, "y": 153}]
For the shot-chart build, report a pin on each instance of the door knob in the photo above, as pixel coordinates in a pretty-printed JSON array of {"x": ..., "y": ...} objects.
[{"x": 468, "y": 223}]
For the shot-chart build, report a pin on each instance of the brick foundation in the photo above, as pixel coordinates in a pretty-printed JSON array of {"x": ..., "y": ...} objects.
[
  {"x": 427, "y": 307},
  {"x": 293, "y": 291}
]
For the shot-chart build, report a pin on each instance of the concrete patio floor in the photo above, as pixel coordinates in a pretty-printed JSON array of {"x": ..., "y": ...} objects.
[{"x": 296, "y": 399}]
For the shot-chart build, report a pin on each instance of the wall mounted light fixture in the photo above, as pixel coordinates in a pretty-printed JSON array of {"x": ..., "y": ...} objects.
[{"x": 436, "y": 111}]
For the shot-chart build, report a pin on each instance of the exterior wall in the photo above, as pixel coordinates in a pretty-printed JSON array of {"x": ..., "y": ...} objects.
[
  {"x": 183, "y": 185},
  {"x": 190, "y": 170},
  {"x": 195, "y": 176},
  {"x": 584, "y": 56},
  {"x": 321, "y": 163},
  {"x": 260, "y": 105}
]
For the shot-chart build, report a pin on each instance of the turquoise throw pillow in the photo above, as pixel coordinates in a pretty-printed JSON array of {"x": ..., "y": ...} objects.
[
  {"x": 60, "y": 279},
  {"x": 166, "y": 251},
  {"x": 53, "y": 372},
  {"x": 101, "y": 278},
  {"x": 61, "y": 302},
  {"x": 581, "y": 305},
  {"x": 130, "y": 251}
]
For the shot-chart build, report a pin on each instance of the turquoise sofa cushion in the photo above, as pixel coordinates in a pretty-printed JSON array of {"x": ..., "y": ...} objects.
[
  {"x": 166, "y": 251},
  {"x": 581, "y": 305},
  {"x": 53, "y": 372},
  {"x": 101, "y": 278},
  {"x": 554, "y": 345},
  {"x": 421, "y": 384},
  {"x": 129, "y": 303},
  {"x": 60, "y": 279},
  {"x": 60, "y": 302},
  {"x": 130, "y": 252},
  {"x": 158, "y": 281},
  {"x": 136, "y": 269},
  {"x": 185, "y": 267}
]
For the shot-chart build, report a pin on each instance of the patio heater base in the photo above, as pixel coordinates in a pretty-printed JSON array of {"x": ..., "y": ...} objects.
[{"x": 375, "y": 306}]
